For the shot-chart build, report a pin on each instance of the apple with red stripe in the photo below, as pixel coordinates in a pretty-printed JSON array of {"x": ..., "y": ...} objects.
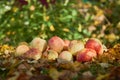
[
  {"x": 86, "y": 55},
  {"x": 95, "y": 44}
]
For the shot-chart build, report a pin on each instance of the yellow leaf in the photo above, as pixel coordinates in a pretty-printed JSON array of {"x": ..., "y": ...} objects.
[
  {"x": 47, "y": 18},
  {"x": 52, "y": 28},
  {"x": 80, "y": 28},
  {"x": 102, "y": 77},
  {"x": 96, "y": 22},
  {"x": 15, "y": 9},
  {"x": 42, "y": 27},
  {"x": 53, "y": 73},
  {"x": 12, "y": 19},
  {"x": 111, "y": 37},
  {"x": 66, "y": 30},
  {"x": 32, "y": 8},
  {"x": 8, "y": 33},
  {"x": 13, "y": 32}
]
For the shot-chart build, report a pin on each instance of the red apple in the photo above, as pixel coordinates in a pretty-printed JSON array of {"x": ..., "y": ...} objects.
[
  {"x": 75, "y": 46},
  {"x": 33, "y": 53},
  {"x": 95, "y": 44},
  {"x": 66, "y": 55},
  {"x": 66, "y": 44},
  {"x": 21, "y": 49},
  {"x": 85, "y": 55},
  {"x": 39, "y": 44},
  {"x": 56, "y": 43}
]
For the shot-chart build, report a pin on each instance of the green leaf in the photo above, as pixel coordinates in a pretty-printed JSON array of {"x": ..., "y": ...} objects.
[{"x": 74, "y": 13}]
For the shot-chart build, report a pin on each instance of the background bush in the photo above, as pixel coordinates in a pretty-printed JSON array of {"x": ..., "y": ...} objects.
[{"x": 22, "y": 20}]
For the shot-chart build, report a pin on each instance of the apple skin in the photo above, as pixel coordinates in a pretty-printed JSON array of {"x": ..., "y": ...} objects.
[
  {"x": 39, "y": 44},
  {"x": 96, "y": 45},
  {"x": 75, "y": 46},
  {"x": 85, "y": 55},
  {"x": 21, "y": 49},
  {"x": 56, "y": 43},
  {"x": 66, "y": 55},
  {"x": 33, "y": 53}
]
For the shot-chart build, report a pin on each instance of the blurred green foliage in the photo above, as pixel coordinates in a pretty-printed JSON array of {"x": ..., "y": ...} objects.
[{"x": 22, "y": 20}]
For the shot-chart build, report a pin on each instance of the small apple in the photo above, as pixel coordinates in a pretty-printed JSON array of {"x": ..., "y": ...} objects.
[
  {"x": 21, "y": 49},
  {"x": 75, "y": 46},
  {"x": 66, "y": 55},
  {"x": 56, "y": 43},
  {"x": 85, "y": 55},
  {"x": 95, "y": 44},
  {"x": 33, "y": 53},
  {"x": 66, "y": 44},
  {"x": 39, "y": 44},
  {"x": 52, "y": 55}
]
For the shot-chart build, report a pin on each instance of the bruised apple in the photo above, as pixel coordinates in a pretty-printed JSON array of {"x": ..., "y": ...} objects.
[
  {"x": 21, "y": 49},
  {"x": 75, "y": 46},
  {"x": 39, "y": 44},
  {"x": 95, "y": 44},
  {"x": 66, "y": 55},
  {"x": 33, "y": 53},
  {"x": 56, "y": 43},
  {"x": 85, "y": 55}
]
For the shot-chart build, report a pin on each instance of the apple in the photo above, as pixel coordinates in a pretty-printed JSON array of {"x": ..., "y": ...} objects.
[
  {"x": 56, "y": 43},
  {"x": 95, "y": 44},
  {"x": 66, "y": 55},
  {"x": 66, "y": 44},
  {"x": 39, "y": 44},
  {"x": 75, "y": 46},
  {"x": 33, "y": 53},
  {"x": 85, "y": 55},
  {"x": 52, "y": 55},
  {"x": 21, "y": 49}
]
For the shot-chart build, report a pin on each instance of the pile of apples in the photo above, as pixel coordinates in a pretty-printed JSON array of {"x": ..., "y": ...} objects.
[{"x": 61, "y": 50}]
